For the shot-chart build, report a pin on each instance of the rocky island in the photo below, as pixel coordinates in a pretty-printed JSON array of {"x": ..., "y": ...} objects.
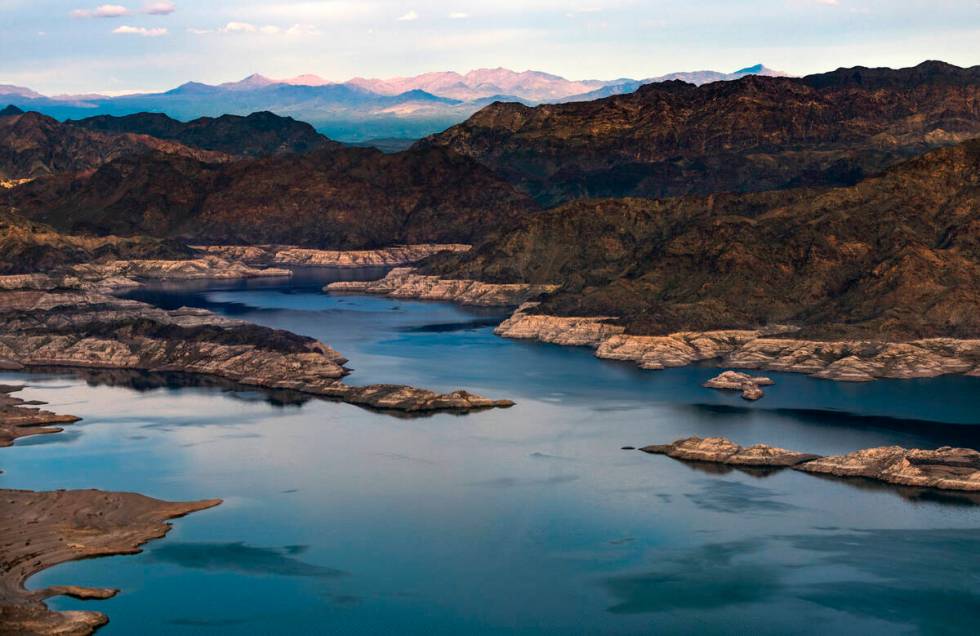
[{"x": 944, "y": 468}]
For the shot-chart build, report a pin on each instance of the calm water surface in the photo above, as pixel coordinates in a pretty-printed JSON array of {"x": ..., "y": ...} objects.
[{"x": 527, "y": 520}]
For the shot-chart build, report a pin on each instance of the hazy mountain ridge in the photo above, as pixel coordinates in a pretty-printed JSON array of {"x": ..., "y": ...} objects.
[{"x": 355, "y": 110}]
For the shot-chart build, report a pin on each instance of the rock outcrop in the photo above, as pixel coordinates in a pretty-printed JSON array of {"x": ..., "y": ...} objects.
[
  {"x": 720, "y": 450},
  {"x": 205, "y": 267},
  {"x": 397, "y": 256},
  {"x": 90, "y": 329},
  {"x": 42, "y": 529},
  {"x": 944, "y": 468},
  {"x": 404, "y": 282},
  {"x": 734, "y": 381}
]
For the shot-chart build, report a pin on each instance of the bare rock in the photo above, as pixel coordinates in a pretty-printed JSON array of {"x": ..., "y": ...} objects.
[
  {"x": 94, "y": 330},
  {"x": 19, "y": 419},
  {"x": 41, "y": 529},
  {"x": 405, "y": 283},
  {"x": 844, "y": 361},
  {"x": 735, "y": 381},
  {"x": 399, "y": 255},
  {"x": 945, "y": 468},
  {"x": 723, "y": 451}
]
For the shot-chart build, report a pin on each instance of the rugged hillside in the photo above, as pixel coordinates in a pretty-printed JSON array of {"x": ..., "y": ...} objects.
[
  {"x": 341, "y": 198},
  {"x": 893, "y": 257},
  {"x": 34, "y": 145},
  {"x": 27, "y": 247},
  {"x": 256, "y": 135},
  {"x": 753, "y": 134}
]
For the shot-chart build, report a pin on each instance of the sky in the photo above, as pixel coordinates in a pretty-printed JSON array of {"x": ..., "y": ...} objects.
[{"x": 69, "y": 46}]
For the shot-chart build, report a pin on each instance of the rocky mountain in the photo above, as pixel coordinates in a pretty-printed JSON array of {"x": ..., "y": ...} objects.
[
  {"x": 256, "y": 135},
  {"x": 755, "y": 133},
  {"x": 27, "y": 247},
  {"x": 894, "y": 257},
  {"x": 332, "y": 197},
  {"x": 481, "y": 83},
  {"x": 34, "y": 145}
]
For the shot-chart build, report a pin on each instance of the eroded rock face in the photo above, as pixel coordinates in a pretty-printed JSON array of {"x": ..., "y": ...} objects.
[
  {"x": 42, "y": 529},
  {"x": 186, "y": 269},
  {"x": 723, "y": 451},
  {"x": 735, "y": 381},
  {"x": 291, "y": 255},
  {"x": 852, "y": 361},
  {"x": 945, "y": 468},
  {"x": 404, "y": 282}
]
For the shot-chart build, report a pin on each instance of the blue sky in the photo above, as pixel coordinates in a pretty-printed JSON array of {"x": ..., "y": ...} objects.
[{"x": 125, "y": 45}]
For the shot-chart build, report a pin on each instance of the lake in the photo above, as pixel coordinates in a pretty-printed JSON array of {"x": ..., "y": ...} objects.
[{"x": 526, "y": 520}]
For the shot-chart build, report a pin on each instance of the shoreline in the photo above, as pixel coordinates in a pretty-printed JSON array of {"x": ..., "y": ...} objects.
[
  {"x": 96, "y": 330},
  {"x": 771, "y": 349},
  {"x": 41, "y": 529}
]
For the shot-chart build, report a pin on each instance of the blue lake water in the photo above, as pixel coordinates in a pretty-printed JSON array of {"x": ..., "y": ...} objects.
[{"x": 527, "y": 520}]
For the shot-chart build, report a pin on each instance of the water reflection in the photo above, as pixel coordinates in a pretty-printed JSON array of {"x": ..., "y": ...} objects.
[{"x": 528, "y": 520}]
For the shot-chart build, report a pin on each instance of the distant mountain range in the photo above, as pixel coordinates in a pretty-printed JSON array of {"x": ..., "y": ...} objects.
[{"x": 359, "y": 109}]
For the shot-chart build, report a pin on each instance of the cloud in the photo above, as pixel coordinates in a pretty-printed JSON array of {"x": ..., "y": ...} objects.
[
  {"x": 458, "y": 15},
  {"x": 411, "y": 16},
  {"x": 239, "y": 27},
  {"x": 267, "y": 29},
  {"x": 141, "y": 31},
  {"x": 101, "y": 11},
  {"x": 159, "y": 8}
]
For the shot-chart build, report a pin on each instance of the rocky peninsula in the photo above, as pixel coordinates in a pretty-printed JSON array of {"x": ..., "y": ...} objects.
[
  {"x": 42, "y": 529},
  {"x": 405, "y": 282},
  {"x": 19, "y": 418},
  {"x": 266, "y": 255},
  {"x": 945, "y": 468},
  {"x": 773, "y": 349},
  {"x": 79, "y": 328}
]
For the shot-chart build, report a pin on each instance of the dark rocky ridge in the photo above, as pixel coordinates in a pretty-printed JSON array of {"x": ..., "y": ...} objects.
[
  {"x": 256, "y": 135},
  {"x": 752, "y": 134},
  {"x": 330, "y": 198},
  {"x": 895, "y": 257},
  {"x": 34, "y": 145},
  {"x": 27, "y": 247}
]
